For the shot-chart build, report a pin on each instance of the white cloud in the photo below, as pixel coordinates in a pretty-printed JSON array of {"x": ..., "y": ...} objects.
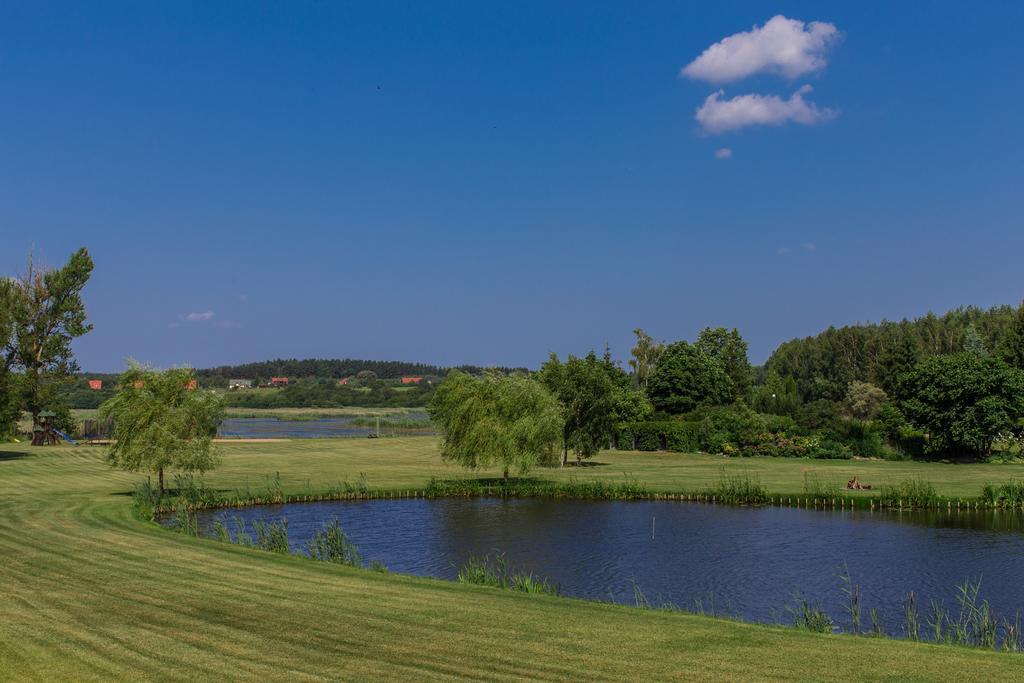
[
  {"x": 788, "y": 47},
  {"x": 806, "y": 246},
  {"x": 199, "y": 317},
  {"x": 723, "y": 153},
  {"x": 718, "y": 115}
]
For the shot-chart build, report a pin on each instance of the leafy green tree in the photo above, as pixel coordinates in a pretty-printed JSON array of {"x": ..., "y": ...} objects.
[
  {"x": 1011, "y": 347},
  {"x": 899, "y": 356},
  {"x": 864, "y": 400},
  {"x": 509, "y": 420},
  {"x": 645, "y": 357},
  {"x": 973, "y": 343},
  {"x": 686, "y": 377},
  {"x": 9, "y": 400},
  {"x": 963, "y": 401},
  {"x": 730, "y": 350},
  {"x": 48, "y": 313},
  {"x": 586, "y": 394},
  {"x": 161, "y": 424},
  {"x": 777, "y": 396}
]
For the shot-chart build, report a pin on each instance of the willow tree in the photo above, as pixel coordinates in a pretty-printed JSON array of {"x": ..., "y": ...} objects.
[
  {"x": 162, "y": 422},
  {"x": 506, "y": 420}
]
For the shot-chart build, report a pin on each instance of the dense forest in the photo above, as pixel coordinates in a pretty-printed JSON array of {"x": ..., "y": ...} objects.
[{"x": 824, "y": 365}]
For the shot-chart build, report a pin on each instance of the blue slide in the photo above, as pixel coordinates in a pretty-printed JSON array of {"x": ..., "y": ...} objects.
[{"x": 65, "y": 437}]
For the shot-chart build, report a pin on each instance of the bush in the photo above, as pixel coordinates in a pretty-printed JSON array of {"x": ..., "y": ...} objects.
[
  {"x": 736, "y": 424},
  {"x": 670, "y": 435}
]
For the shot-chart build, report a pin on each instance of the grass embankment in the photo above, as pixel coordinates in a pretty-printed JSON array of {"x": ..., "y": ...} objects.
[{"x": 87, "y": 591}]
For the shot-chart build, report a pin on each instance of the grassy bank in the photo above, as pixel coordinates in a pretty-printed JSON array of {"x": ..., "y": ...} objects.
[
  {"x": 89, "y": 592},
  {"x": 411, "y": 463}
]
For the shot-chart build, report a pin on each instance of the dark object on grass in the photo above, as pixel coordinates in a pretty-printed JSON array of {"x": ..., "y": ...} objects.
[{"x": 856, "y": 485}]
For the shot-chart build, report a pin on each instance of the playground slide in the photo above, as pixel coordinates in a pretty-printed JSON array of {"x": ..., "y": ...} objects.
[{"x": 65, "y": 437}]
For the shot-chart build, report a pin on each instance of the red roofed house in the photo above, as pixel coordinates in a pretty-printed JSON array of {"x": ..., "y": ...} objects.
[
  {"x": 411, "y": 380},
  {"x": 278, "y": 381},
  {"x": 191, "y": 384},
  {"x": 342, "y": 382},
  {"x": 95, "y": 384}
]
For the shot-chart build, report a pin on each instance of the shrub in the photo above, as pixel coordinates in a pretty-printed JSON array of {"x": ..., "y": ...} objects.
[{"x": 671, "y": 435}]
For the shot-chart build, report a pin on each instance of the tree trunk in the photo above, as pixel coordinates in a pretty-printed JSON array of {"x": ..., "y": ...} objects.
[
  {"x": 506, "y": 473},
  {"x": 161, "y": 473},
  {"x": 565, "y": 455}
]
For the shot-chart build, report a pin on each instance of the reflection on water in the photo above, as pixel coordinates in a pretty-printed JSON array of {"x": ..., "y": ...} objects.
[{"x": 747, "y": 562}]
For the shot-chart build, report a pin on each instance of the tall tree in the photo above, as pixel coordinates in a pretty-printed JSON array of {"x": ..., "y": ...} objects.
[
  {"x": 160, "y": 423},
  {"x": 48, "y": 313},
  {"x": 9, "y": 400},
  {"x": 730, "y": 350},
  {"x": 1011, "y": 348},
  {"x": 645, "y": 357},
  {"x": 509, "y": 420},
  {"x": 973, "y": 343},
  {"x": 899, "y": 355},
  {"x": 687, "y": 377},
  {"x": 587, "y": 397},
  {"x": 964, "y": 401}
]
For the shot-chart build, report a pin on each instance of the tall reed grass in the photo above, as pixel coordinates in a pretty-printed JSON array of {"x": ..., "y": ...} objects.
[{"x": 497, "y": 573}]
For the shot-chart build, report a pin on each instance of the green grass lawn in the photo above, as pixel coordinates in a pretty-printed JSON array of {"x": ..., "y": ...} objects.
[
  {"x": 89, "y": 592},
  {"x": 411, "y": 462}
]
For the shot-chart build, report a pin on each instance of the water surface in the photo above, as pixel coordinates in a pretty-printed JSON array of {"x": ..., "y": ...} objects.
[
  {"x": 328, "y": 427},
  {"x": 741, "y": 561}
]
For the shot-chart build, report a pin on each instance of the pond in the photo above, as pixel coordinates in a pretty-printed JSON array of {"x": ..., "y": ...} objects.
[
  {"x": 328, "y": 427},
  {"x": 746, "y": 562}
]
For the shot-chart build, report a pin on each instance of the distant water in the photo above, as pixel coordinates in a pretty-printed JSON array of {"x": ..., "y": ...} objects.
[
  {"x": 264, "y": 428},
  {"x": 741, "y": 561}
]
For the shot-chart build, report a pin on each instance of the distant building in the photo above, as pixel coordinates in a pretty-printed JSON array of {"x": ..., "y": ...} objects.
[
  {"x": 344, "y": 381},
  {"x": 191, "y": 384},
  {"x": 95, "y": 384},
  {"x": 239, "y": 384},
  {"x": 278, "y": 381},
  {"x": 411, "y": 380}
]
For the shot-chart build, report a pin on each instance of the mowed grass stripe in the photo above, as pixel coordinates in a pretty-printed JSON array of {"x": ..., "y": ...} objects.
[{"x": 92, "y": 593}]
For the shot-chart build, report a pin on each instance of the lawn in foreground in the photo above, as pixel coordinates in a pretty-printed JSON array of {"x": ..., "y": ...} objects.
[{"x": 89, "y": 592}]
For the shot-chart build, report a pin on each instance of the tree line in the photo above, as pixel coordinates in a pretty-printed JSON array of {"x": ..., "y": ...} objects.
[{"x": 949, "y": 386}]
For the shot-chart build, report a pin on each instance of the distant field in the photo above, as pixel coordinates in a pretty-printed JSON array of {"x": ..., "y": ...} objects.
[{"x": 88, "y": 592}]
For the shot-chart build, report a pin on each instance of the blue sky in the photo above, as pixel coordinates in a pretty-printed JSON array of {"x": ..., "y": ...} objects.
[{"x": 485, "y": 183}]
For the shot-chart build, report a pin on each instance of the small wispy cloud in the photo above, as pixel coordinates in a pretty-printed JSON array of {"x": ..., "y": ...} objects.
[
  {"x": 198, "y": 317},
  {"x": 718, "y": 115},
  {"x": 806, "y": 246},
  {"x": 723, "y": 153},
  {"x": 787, "y": 47}
]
